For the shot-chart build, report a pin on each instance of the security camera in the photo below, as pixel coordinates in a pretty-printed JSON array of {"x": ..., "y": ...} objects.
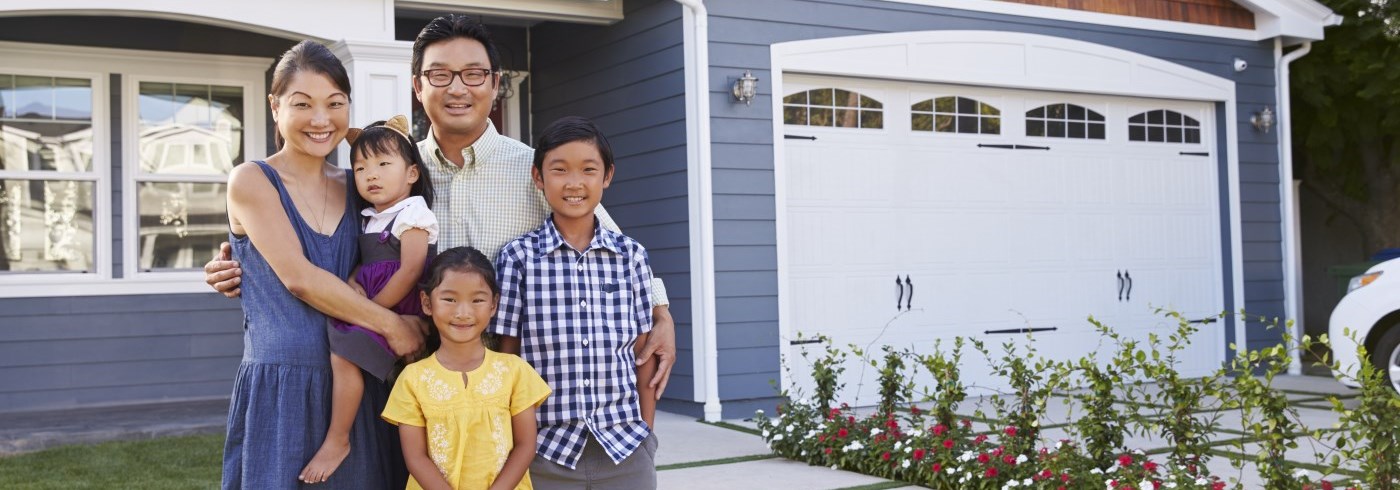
[{"x": 1241, "y": 64}]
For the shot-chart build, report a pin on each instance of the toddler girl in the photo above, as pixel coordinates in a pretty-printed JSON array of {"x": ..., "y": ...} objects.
[
  {"x": 399, "y": 233},
  {"x": 466, "y": 414}
]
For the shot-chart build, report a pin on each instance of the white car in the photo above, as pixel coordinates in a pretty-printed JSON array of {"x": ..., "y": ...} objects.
[{"x": 1371, "y": 310}]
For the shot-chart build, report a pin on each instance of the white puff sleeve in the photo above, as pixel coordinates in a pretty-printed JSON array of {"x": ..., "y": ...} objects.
[{"x": 416, "y": 215}]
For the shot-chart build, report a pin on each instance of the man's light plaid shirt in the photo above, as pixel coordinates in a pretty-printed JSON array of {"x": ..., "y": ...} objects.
[
  {"x": 577, "y": 315},
  {"x": 491, "y": 199}
]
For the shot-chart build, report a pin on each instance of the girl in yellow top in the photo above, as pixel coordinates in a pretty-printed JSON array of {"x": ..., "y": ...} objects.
[{"x": 466, "y": 414}]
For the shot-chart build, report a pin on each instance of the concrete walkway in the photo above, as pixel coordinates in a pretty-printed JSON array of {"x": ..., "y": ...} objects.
[{"x": 692, "y": 454}]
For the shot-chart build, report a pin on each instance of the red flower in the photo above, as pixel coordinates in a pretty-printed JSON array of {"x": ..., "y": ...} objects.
[
  {"x": 998, "y": 451},
  {"x": 891, "y": 423},
  {"x": 1011, "y": 432},
  {"x": 1220, "y": 485},
  {"x": 937, "y": 467},
  {"x": 918, "y": 454},
  {"x": 967, "y": 423},
  {"x": 842, "y": 433},
  {"x": 991, "y": 473},
  {"x": 1009, "y": 459},
  {"x": 1149, "y": 466},
  {"x": 821, "y": 438},
  {"x": 851, "y": 419},
  {"x": 947, "y": 444},
  {"x": 940, "y": 429},
  {"x": 983, "y": 458},
  {"x": 827, "y": 450},
  {"x": 980, "y": 439},
  {"x": 885, "y": 456},
  {"x": 914, "y": 410},
  {"x": 1326, "y": 485},
  {"x": 1125, "y": 460}
]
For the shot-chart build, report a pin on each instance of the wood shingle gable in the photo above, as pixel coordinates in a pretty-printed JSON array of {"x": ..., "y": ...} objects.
[{"x": 1224, "y": 13}]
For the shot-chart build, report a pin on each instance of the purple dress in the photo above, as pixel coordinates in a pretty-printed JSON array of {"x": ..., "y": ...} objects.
[{"x": 379, "y": 260}]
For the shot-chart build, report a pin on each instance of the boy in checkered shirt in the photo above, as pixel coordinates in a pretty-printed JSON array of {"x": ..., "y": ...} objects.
[{"x": 575, "y": 305}]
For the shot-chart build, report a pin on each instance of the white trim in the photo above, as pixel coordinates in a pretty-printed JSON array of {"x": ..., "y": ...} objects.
[
  {"x": 701, "y": 199},
  {"x": 512, "y": 108},
  {"x": 1027, "y": 61},
  {"x": 1292, "y": 239},
  {"x": 19, "y": 61},
  {"x": 582, "y": 11},
  {"x": 1293, "y": 19},
  {"x": 254, "y": 141},
  {"x": 322, "y": 20}
]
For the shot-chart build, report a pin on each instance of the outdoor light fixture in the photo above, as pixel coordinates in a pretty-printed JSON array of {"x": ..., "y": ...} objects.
[
  {"x": 1263, "y": 120},
  {"x": 745, "y": 88}
]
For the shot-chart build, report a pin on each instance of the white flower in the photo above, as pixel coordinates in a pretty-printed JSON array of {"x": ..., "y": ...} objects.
[
  {"x": 833, "y": 467},
  {"x": 1300, "y": 473},
  {"x": 1027, "y": 482},
  {"x": 906, "y": 464},
  {"x": 765, "y": 433},
  {"x": 1021, "y": 459},
  {"x": 875, "y": 432},
  {"x": 758, "y": 412},
  {"x": 908, "y": 449},
  {"x": 1059, "y": 444},
  {"x": 1171, "y": 484},
  {"x": 778, "y": 437},
  {"x": 1011, "y": 484},
  {"x": 1147, "y": 485},
  {"x": 898, "y": 444},
  {"x": 1201, "y": 481},
  {"x": 949, "y": 470},
  {"x": 1096, "y": 471},
  {"x": 788, "y": 429}
]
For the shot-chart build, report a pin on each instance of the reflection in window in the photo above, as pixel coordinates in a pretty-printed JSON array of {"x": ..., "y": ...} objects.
[
  {"x": 1165, "y": 127},
  {"x": 833, "y": 107},
  {"x": 955, "y": 115},
  {"x": 1064, "y": 121},
  {"x": 191, "y": 137},
  {"x": 46, "y": 225}
]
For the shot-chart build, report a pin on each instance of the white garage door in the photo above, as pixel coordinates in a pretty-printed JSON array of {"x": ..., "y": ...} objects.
[{"x": 917, "y": 212}]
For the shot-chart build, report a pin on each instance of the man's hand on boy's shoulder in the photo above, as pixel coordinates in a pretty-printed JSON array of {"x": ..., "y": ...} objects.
[
  {"x": 662, "y": 345},
  {"x": 222, "y": 273}
]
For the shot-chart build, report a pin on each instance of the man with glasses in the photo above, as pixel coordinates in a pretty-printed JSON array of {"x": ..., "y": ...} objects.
[{"x": 483, "y": 195}]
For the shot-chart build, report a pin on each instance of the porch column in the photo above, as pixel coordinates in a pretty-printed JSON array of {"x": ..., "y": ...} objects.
[{"x": 381, "y": 83}]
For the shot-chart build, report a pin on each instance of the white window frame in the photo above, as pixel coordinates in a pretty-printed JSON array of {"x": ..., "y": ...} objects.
[
  {"x": 253, "y": 144},
  {"x": 98, "y": 64}
]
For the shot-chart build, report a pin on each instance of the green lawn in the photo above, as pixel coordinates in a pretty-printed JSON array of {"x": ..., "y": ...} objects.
[{"x": 177, "y": 462}]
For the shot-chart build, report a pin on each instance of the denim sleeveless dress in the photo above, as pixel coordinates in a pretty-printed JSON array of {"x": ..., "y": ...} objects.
[{"x": 281, "y": 402}]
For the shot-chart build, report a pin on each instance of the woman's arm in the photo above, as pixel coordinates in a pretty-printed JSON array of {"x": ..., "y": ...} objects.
[
  {"x": 646, "y": 393},
  {"x": 413, "y": 255},
  {"x": 415, "y": 455},
  {"x": 254, "y": 206},
  {"x": 522, "y": 426}
]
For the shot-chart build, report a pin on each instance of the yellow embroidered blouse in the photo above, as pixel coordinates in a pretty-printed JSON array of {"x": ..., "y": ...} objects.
[{"x": 468, "y": 424}]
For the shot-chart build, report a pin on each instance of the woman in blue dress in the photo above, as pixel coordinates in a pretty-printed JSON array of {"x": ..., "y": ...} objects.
[{"x": 293, "y": 228}]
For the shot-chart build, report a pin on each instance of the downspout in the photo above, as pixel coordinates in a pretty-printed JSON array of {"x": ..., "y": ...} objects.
[
  {"x": 1292, "y": 245},
  {"x": 702, "y": 265}
]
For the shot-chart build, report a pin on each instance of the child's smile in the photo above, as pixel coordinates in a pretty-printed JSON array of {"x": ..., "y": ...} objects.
[
  {"x": 461, "y": 306},
  {"x": 573, "y": 178}
]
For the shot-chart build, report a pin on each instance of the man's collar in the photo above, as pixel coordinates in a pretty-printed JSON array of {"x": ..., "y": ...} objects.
[
  {"x": 479, "y": 152},
  {"x": 602, "y": 238}
]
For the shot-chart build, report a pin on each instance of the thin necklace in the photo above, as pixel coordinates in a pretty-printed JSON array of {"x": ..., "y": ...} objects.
[{"x": 325, "y": 196}]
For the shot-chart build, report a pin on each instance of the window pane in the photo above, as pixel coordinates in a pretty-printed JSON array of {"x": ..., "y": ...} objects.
[
  {"x": 1055, "y": 129},
  {"x": 966, "y": 106},
  {"x": 72, "y": 99},
  {"x": 846, "y": 98},
  {"x": 872, "y": 119},
  {"x": 1076, "y": 113},
  {"x": 7, "y": 96},
  {"x": 190, "y": 129},
  {"x": 870, "y": 103},
  {"x": 925, "y": 106},
  {"x": 46, "y": 226},
  {"x": 943, "y": 124},
  {"x": 991, "y": 125},
  {"x": 1076, "y": 129},
  {"x": 1037, "y": 112},
  {"x": 46, "y": 145},
  {"x": 967, "y": 124},
  {"x": 820, "y": 117},
  {"x": 945, "y": 104},
  {"x": 1155, "y": 133},
  {"x": 795, "y": 115},
  {"x": 1035, "y": 128},
  {"x": 821, "y": 96},
  {"x": 797, "y": 98},
  {"x": 1094, "y": 116},
  {"x": 847, "y": 118},
  {"x": 1190, "y": 121},
  {"x": 1056, "y": 111},
  {"x": 181, "y": 225},
  {"x": 33, "y": 97},
  {"x": 1155, "y": 117},
  {"x": 1138, "y": 119},
  {"x": 1174, "y": 118},
  {"x": 1174, "y": 135},
  {"x": 1137, "y": 133},
  {"x": 1096, "y": 131},
  {"x": 1193, "y": 136},
  {"x": 921, "y": 122},
  {"x": 988, "y": 110}
]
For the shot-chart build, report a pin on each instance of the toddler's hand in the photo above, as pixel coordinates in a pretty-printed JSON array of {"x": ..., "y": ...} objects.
[
  {"x": 354, "y": 285},
  {"x": 404, "y": 338}
]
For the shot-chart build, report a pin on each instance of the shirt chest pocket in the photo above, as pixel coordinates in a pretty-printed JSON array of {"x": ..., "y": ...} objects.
[{"x": 617, "y": 299}]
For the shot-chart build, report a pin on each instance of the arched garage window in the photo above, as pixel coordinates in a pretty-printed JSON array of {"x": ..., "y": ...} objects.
[
  {"x": 954, "y": 114},
  {"x": 1164, "y": 126},
  {"x": 1064, "y": 121},
  {"x": 833, "y": 107}
]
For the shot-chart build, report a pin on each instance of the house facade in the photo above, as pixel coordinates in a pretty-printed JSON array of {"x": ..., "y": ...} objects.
[{"x": 1012, "y": 166}]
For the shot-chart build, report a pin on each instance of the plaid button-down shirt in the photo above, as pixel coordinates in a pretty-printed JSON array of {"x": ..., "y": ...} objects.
[
  {"x": 577, "y": 315},
  {"x": 491, "y": 199}
]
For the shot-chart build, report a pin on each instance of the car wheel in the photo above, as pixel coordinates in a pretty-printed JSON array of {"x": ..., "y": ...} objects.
[{"x": 1386, "y": 356}]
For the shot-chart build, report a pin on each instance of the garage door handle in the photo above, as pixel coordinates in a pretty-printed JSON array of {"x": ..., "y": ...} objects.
[
  {"x": 910, "y": 302},
  {"x": 799, "y": 137},
  {"x": 1029, "y": 147},
  {"x": 1120, "y": 285},
  {"x": 1003, "y": 147},
  {"x": 900, "y": 300},
  {"x": 1129, "y": 295},
  {"x": 1196, "y": 153},
  {"x": 804, "y": 341}
]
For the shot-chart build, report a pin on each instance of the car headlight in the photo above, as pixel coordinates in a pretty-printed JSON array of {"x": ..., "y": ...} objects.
[{"x": 1362, "y": 280}]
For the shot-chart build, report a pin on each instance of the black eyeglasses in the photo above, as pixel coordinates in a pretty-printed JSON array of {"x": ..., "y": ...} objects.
[{"x": 473, "y": 77}]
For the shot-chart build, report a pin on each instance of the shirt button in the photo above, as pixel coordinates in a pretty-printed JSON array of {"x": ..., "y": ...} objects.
[
  {"x": 580, "y": 267},
  {"x": 585, "y": 382},
  {"x": 585, "y": 342},
  {"x": 583, "y": 304}
]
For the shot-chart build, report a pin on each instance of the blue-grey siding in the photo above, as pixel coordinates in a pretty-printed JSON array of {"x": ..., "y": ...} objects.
[
  {"x": 79, "y": 351},
  {"x": 629, "y": 78},
  {"x": 741, "y": 33}
]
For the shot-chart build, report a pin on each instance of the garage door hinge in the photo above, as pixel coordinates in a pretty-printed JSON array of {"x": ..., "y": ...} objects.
[
  {"x": 799, "y": 137},
  {"x": 805, "y": 341},
  {"x": 1021, "y": 330},
  {"x": 1196, "y": 153},
  {"x": 1013, "y": 147}
]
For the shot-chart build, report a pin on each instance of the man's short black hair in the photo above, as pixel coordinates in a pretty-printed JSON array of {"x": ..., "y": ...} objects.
[
  {"x": 449, "y": 27},
  {"x": 568, "y": 130}
]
